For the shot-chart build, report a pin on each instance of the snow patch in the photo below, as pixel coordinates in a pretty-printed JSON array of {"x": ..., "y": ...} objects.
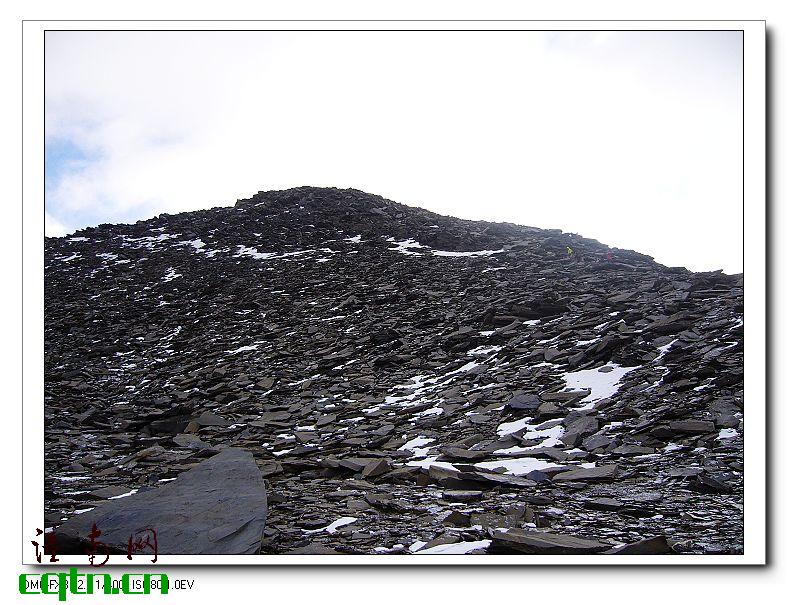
[
  {"x": 417, "y": 545},
  {"x": 551, "y": 437},
  {"x": 171, "y": 274},
  {"x": 431, "y": 461},
  {"x": 602, "y": 384},
  {"x": 484, "y": 350},
  {"x": 416, "y": 442},
  {"x": 518, "y": 466},
  {"x": 332, "y": 527},
  {"x": 458, "y": 548},
  {"x": 404, "y": 246},
  {"x": 477, "y": 253},
  {"x": 512, "y": 427},
  {"x": 134, "y": 491}
]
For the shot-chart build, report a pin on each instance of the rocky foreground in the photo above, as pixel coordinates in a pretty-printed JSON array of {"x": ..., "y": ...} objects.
[{"x": 405, "y": 382}]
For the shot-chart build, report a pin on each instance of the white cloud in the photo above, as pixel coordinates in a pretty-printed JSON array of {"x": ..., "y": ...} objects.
[
  {"x": 631, "y": 138},
  {"x": 53, "y": 227}
]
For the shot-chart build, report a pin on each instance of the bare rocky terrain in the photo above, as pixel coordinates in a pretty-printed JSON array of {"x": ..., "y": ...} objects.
[{"x": 405, "y": 382}]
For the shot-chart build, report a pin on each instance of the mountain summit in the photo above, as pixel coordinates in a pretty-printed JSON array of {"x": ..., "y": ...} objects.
[{"x": 406, "y": 382}]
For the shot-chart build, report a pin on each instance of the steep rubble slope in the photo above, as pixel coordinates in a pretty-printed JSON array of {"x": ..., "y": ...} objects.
[{"x": 407, "y": 382}]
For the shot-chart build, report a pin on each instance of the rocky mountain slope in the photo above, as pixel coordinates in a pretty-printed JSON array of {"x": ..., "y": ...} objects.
[{"x": 406, "y": 382}]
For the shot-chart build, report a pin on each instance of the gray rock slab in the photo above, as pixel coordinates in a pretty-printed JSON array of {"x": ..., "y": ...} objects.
[
  {"x": 218, "y": 507},
  {"x": 597, "y": 473},
  {"x": 658, "y": 545},
  {"x": 692, "y": 426},
  {"x": 542, "y": 543}
]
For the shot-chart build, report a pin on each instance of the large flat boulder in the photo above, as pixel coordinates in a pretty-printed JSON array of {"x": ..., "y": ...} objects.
[
  {"x": 596, "y": 473},
  {"x": 522, "y": 541},
  {"x": 658, "y": 545},
  {"x": 218, "y": 507}
]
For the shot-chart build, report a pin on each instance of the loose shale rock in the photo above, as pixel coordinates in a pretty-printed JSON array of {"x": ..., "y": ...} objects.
[{"x": 394, "y": 366}]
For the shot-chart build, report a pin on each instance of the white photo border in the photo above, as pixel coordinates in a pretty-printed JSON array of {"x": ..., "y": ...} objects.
[{"x": 754, "y": 213}]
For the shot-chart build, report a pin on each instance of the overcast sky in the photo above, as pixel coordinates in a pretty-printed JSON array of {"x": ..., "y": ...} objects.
[{"x": 631, "y": 138}]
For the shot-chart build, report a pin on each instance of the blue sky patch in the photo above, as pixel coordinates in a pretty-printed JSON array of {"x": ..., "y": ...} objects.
[{"x": 61, "y": 156}]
